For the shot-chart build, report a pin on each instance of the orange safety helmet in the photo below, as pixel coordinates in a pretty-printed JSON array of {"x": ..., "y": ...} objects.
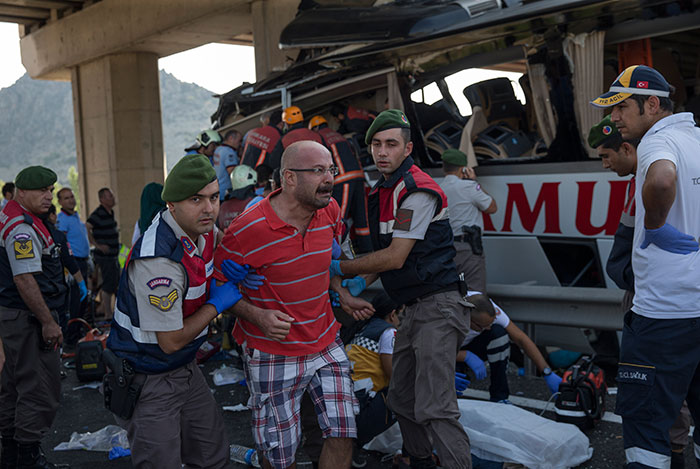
[
  {"x": 316, "y": 121},
  {"x": 292, "y": 115}
]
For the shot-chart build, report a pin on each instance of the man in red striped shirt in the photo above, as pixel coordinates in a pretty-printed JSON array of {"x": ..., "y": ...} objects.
[{"x": 286, "y": 327}]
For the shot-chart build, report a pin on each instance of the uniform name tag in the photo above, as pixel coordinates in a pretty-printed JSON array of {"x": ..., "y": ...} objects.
[{"x": 636, "y": 374}]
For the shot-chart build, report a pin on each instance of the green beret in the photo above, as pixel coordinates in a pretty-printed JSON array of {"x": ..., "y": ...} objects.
[
  {"x": 602, "y": 131},
  {"x": 390, "y": 119},
  {"x": 35, "y": 177},
  {"x": 454, "y": 157},
  {"x": 188, "y": 177}
]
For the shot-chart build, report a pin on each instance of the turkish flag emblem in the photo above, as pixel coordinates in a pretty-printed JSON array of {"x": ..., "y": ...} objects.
[{"x": 643, "y": 84}]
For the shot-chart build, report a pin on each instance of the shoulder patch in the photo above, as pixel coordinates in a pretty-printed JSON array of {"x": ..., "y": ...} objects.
[
  {"x": 187, "y": 244},
  {"x": 24, "y": 248},
  {"x": 403, "y": 219},
  {"x": 165, "y": 302},
  {"x": 159, "y": 282}
]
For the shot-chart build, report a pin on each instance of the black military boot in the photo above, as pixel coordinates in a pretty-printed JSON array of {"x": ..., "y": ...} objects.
[
  {"x": 8, "y": 456},
  {"x": 32, "y": 457}
]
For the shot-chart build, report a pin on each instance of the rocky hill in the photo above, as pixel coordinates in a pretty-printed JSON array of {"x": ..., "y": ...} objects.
[{"x": 36, "y": 122}]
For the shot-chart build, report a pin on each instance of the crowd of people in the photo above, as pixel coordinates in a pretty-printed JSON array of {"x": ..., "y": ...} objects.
[{"x": 275, "y": 228}]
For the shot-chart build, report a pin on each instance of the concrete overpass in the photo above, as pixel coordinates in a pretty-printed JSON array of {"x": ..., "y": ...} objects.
[{"x": 109, "y": 50}]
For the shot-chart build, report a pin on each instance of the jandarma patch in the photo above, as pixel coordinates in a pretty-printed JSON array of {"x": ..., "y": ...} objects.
[
  {"x": 164, "y": 303},
  {"x": 159, "y": 282},
  {"x": 24, "y": 248}
]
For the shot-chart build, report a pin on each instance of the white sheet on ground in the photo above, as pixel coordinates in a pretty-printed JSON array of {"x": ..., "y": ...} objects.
[{"x": 506, "y": 433}]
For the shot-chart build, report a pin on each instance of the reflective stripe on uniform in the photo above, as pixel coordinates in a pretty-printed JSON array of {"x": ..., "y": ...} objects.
[
  {"x": 498, "y": 356},
  {"x": 649, "y": 458}
]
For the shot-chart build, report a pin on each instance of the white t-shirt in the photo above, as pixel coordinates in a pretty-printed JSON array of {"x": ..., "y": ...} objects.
[
  {"x": 465, "y": 202},
  {"x": 502, "y": 320},
  {"x": 667, "y": 285},
  {"x": 386, "y": 341}
]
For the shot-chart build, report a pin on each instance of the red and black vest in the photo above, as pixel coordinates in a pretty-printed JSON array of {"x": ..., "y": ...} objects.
[
  {"x": 430, "y": 265},
  {"x": 263, "y": 146},
  {"x": 298, "y": 134},
  {"x": 50, "y": 280},
  {"x": 126, "y": 338}
]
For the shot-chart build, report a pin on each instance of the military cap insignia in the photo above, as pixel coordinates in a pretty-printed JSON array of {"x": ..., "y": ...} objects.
[
  {"x": 23, "y": 247},
  {"x": 163, "y": 303},
  {"x": 607, "y": 130}
]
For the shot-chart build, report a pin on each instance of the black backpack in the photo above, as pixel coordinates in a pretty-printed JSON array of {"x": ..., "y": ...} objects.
[{"x": 581, "y": 398}]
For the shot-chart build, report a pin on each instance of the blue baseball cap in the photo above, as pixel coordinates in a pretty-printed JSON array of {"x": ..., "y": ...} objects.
[{"x": 636, "y": 79}]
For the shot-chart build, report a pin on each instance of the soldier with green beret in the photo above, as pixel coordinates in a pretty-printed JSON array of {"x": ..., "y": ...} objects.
[
  {"x": 414, "y": 256},
  {"x": 467, "y": 200},
  {"x": 29, "y": 299},
  {"x": 165, "y": 303}
]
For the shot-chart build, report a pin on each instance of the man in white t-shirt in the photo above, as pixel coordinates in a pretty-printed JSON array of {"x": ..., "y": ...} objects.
[
  {"x": 660, "y": 351},
  {"x": 490, "y": 334},
  {"x": 466, "y": 199}
]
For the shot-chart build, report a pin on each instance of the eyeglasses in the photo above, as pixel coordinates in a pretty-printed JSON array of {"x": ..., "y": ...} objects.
[
  {"x": 476, "y": 327},
  {"x": 333, "y": 171}
]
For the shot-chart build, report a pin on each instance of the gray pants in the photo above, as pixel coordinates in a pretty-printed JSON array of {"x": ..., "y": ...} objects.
[
  {"x": 473, "y": 266},
  {"x": 422, "y": 389},
  {"x": 31, "y": 381},
  {"x": 176, "y": 422}
]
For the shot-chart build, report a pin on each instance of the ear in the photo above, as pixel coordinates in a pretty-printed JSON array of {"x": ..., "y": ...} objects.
[
  {"x": 409, "y": 148},
  {"x": 170, "y": 206},
  {"x": 653, "y": 104}
]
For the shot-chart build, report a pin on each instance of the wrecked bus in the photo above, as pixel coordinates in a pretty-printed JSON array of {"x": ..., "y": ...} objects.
[{"x": 523, "y": 128}]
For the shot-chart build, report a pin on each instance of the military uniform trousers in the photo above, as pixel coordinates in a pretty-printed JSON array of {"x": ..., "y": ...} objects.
[
  {"x": 30, "y": 387},
  {"x": 473, "y": 266},
  {"x": 176, "y": 422},
  {"x": 422, "y": 388}
]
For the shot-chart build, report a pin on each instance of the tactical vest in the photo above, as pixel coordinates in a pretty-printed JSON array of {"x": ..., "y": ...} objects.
[
  {"x": 430, "y": 265},
  {"x": 126, "y": 338},
  {"x": 363, "y": 353},
  {"x": 263, "y": 146},
  {"x": 349, "y": 167},
  {"x": 50, "y": 280}
]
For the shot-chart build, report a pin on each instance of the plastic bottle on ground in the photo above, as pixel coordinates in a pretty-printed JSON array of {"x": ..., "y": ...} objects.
[{"x": 244, "y": 455}]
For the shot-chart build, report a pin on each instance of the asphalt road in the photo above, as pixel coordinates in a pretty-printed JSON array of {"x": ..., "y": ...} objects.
[{"x": 82, "y": 411}]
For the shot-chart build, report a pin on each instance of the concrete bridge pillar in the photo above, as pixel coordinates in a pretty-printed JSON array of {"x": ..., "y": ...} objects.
[{"x": 118, "y": 131}]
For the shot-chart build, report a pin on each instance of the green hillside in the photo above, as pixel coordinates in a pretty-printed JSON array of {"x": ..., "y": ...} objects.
[{"x": 36, "y": 122}]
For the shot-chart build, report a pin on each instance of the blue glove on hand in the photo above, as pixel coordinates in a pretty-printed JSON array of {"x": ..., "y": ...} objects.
[
  {"x": 336, "y": 251},
  {"x": 476, "y": 364},
  {"x": 670, "y": 239},
  {"x": 335, "y": 298},
  {"x": 252, "y": 281},
  {"x": 223, "y": 297},
  {"x": 234, "y": 272},
  {"x": 83, "y": 290},
  {"x": 461, "y": 383},
  {"x": 335, "y": 268},
  {"x": 355, "y": 285},
  {"x": 553, "y": 381}
]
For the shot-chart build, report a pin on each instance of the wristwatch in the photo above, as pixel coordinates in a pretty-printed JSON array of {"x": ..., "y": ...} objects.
[{"x": 547, "y": 371}]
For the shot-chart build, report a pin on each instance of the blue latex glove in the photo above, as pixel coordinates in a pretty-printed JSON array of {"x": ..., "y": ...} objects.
[
  {"x": 335, "y": 268},
  {"x": 670, "y": 239},
  {"x": 355, "y": 285},
  {"x": 553, "y": 381},
  {"x": 118, "y": 452},
  {"x": 476, "y": 364},
  {"x": 335, "y": 298},
  {"x": 234, "y": 272},
  {"x": 461, "y": 383},
  {"x": 252, "y": 281},
  {"x": 223, "y": 297},
  {"x": 336, "y": 251},
  {"x": 83, "y": 290}
]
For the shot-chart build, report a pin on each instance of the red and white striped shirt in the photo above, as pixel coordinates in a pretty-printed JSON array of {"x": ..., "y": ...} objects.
[{"x": 295, "y": 268}]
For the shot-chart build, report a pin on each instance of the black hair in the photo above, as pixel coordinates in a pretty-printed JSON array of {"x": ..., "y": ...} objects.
[
  {"x": 8, "y": 187},
  {"x": 102, "y": 192},
  {"x": 264, "y": 173},
  {"x": 383, "y": 305},
  {"x": 615, "y": 141},
  {"x": 337, "y": 109},
  {"x": 482, "y": 303},
  {"x": 275, "y": 117},
  {"x": 449, "y": 167},
  {"x": 52, "y": 209},
  {"x": 666, "y": 104},
  {"x": 231, "y": 133}
]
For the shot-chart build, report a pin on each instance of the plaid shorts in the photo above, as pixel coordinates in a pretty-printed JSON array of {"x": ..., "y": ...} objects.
[{"x": 277, "y": 384}]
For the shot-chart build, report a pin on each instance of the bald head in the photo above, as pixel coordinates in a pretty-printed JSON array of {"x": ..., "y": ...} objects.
[{"x": 302, "y": 154}]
